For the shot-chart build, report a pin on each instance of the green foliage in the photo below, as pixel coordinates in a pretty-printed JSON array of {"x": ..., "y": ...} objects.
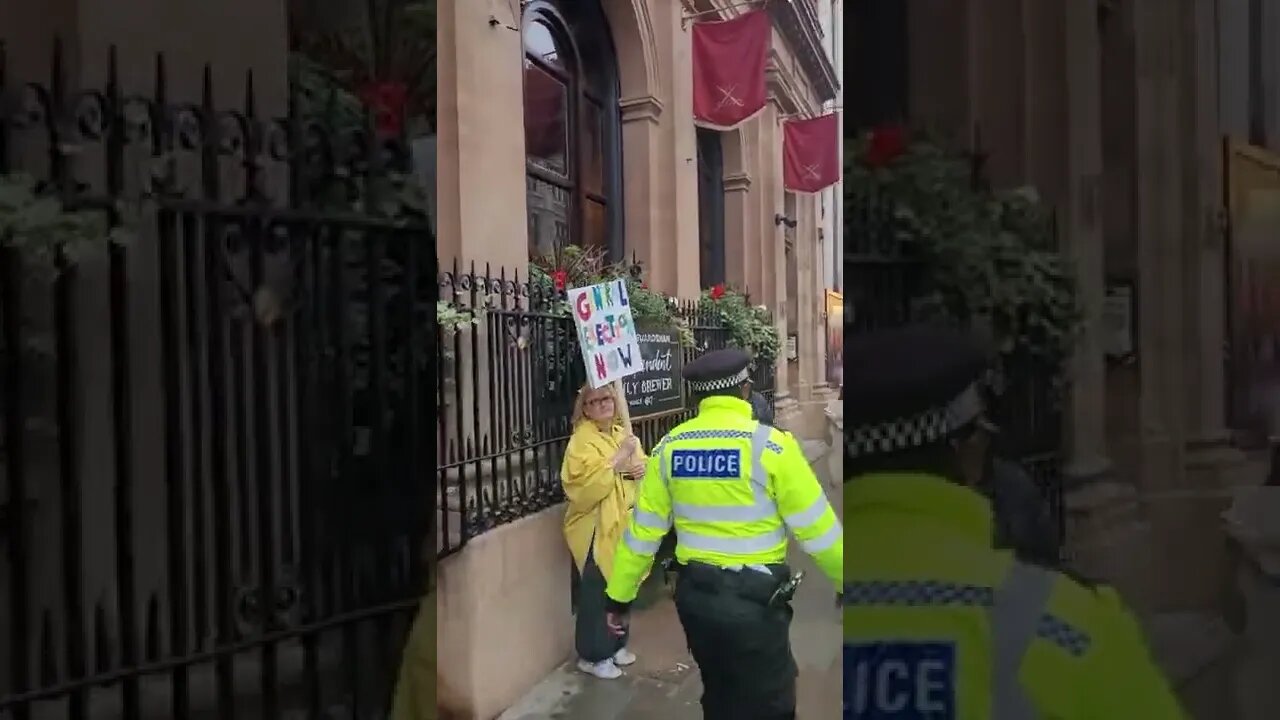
[
  {"x": 46, "y": 235},
  {"x": 990, "y": 257},
  {"x": 395, "y": 42},
  {"x": 591, "y": 266},
  {"x": 750, "y": 326},
  {"x": 453, "y": 319}
]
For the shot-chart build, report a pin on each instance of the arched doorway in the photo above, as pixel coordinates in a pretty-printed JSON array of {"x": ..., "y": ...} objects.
[{"x": 572, "y": 134}]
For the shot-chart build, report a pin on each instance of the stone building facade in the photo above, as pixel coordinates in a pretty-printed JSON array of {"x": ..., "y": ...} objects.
[
  {"x": 696, "y": 208},
  {"x": 1123, "y": 115}
]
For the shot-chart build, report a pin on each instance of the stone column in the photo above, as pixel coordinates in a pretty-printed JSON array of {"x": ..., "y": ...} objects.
[
  {"x": 1205, "y": 239},
  {"x": 737, "y": 220},
  {"x": 640, "y": 142},
  {"x": 996, "y": 84},
  {"x": 684, "y": 246},
  {"x": 757, "y": 197},
  {"x": 771, "y": 237},
  {"x": 480, "y": 161},
  {"x": 1159, "y": 217},
  {"x": 1086, "y": 420},
  {"x": 809, "y": 274}
]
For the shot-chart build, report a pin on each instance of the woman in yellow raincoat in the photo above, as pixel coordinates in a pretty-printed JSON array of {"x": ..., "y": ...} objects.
[{"x": 600, "y": 468}]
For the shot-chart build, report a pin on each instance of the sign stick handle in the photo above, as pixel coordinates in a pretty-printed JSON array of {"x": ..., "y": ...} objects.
[{"x": 621, "y": 394}]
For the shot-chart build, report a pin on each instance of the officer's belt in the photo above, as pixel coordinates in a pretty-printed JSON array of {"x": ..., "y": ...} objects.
[{"x": 746, "y": 583}]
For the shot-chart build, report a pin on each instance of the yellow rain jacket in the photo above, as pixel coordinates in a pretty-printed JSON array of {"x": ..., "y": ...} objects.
[
  {"x": 938, "y": 624},
  {"x": 599, "y": 498},
  {"x": 415, "y": 697}
]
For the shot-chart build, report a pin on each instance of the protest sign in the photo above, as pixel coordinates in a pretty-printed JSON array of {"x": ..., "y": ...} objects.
[{"x": 606, "y": 332}]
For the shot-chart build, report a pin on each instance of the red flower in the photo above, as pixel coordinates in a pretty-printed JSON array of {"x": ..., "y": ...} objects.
[
  {"x": 560, "y": 278},
  {"x": 717, "y": 292},
  {"x": 386, "y": 100},
  {"x": 887, "y": 142}
]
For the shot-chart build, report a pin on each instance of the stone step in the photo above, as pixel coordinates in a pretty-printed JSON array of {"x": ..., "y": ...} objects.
[
  {"x": 1093, "y": 509},
  {"x": 1185, "y": 644},
  {"x": 1120, "y": 557},
  {"x": 1198, "y": 654}
]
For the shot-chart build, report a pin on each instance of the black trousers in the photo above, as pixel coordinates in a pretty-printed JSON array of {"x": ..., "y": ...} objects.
[
  {"x": 593, "y": 639},
  {"x": 741, "y": 644}
]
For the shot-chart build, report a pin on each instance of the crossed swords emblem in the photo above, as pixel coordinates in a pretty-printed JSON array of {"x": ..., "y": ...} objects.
[
  {"x": 811, "y": 171},
  {"x": 727, "y": 97}
]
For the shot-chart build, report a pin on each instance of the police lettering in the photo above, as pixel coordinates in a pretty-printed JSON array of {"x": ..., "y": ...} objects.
[
  {"x": 900, "y": 681},
  {"x": 724, "y": 463}
]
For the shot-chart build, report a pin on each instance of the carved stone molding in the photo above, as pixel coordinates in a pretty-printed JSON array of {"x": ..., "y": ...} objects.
[
  {"x": 737, "y": 182},
  {"x": 798, "y": 23},
  {"x": 647, "y": 108}
]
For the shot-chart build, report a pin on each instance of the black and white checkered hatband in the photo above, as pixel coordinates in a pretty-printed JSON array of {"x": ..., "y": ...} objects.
[
  {"x": 918, "y": 430},
  {"x": 721, "y": 383}
]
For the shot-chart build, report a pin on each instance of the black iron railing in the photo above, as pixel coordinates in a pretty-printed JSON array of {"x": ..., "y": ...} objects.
[
  {"x": 211, "y": 465},
  {"x": 505, "y": 394}
]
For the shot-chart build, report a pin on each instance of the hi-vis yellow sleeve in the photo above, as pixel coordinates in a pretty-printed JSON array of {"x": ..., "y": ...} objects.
[
  {"x": 1127, "y": 680},
  {"x": 806, "y": 511},
  {"x": 649, "y": 524}
]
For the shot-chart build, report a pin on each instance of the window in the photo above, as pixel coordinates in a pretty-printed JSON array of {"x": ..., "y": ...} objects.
[
  {"x": 710, "y": 207},
  {"x": 571, "y": 125}
]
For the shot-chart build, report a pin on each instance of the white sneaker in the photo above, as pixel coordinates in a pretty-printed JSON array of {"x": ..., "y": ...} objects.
[
  {"x": 624, "y": 657},
  {"x": 605, "y": 669}
]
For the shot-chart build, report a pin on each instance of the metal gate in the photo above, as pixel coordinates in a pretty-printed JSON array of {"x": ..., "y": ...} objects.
[{"x": 212, "y": 503}]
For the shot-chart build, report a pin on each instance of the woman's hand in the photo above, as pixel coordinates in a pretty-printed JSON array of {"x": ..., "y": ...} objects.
[
  {"x": 636, "y": 471},
  {"x": 622, "y": 461}
]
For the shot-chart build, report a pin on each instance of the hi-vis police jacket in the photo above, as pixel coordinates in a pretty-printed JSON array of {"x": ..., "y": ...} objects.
[
  {"x": 731, "y": 487},
  {"x": 939, "y": 625}
]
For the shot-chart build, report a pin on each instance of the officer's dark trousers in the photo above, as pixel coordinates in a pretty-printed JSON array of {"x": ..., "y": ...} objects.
[{"x": 742, "y": 646}]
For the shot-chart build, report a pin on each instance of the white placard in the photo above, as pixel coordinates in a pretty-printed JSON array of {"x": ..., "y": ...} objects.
[{"x": 606, "y": 331}]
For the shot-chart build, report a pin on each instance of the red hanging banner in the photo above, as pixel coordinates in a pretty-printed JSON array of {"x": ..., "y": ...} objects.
[
  {"x": 729, "y": 69},
  {"x": 811, "y": 153}
]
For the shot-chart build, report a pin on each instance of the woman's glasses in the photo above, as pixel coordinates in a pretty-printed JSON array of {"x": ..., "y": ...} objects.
[{"x": 597, "y": 402}]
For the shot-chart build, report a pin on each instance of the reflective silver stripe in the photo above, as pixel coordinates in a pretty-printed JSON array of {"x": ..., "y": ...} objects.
[
  {"x": 653, "y": 521},
  {"x": 724, "y": 513},
  {"x": 638, "y": 546},
  {"x": 809, "y": 515},
  {"x": 762, "y": 506},
  {"x": 759, "y": 441},
  {"x": 1019, "y": 603},
  {"x": 827, "y": 539},
  {"x": 731, "y": 545}
]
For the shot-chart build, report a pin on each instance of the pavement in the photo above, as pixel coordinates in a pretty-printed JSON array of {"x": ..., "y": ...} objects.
[{"x": 664, "y": 682}]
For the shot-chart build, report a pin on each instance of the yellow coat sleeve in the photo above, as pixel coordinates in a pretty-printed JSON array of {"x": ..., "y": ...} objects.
[
  {"x": 415, "y": 697},
  {"x": 586, "y": 473},
  {"x": 805, "y": 509},
  {"x": 1122, "y": 678},
  {"x": 649, "y": 524}
]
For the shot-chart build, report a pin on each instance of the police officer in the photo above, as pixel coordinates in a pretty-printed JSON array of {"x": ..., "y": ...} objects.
[
  {"x": 731, "y": 487},
  {"x": 938, "y": 623}
]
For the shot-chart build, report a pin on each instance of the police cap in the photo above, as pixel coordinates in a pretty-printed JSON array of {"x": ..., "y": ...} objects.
[
  {"x": 911, "y": 387},
  {"x": 718, "y": 370}
]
